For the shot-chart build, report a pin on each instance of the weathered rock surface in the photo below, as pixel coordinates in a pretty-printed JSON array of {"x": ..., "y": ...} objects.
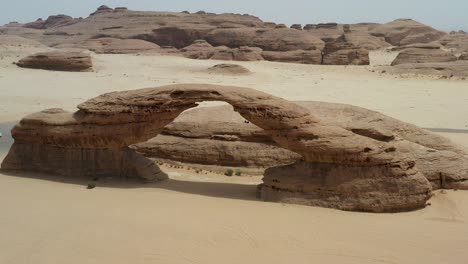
[
  {"x": 217, "y": 152},
  {"x": 228, "y": 69},
  {"x": 298, "y": 56},
  {"x": 432, "y": 45},
  {"x": 58, "y": 60},
  {"x": 51, "y": 22},
  {"x": 406, "y": 31},
  {"x": 341, "y": 52},
  {"x": 457, "y": 42},
  {"x": 114, "y": 46},
  {"x": 441, "y": 70},
  {"x": 280, "y": 39},
  {"x": 442, "y": 162},
  {"x": 296, "y": 26},
  {"x": 201, "y": 49},
  {"x": 423, "y": 55},
  {"x": 464, "y": 56},
  {"x": 347, "y": 171}
]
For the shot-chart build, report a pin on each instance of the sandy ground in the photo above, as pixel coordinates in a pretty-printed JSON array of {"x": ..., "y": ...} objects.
[{"x": 212, "y": 218}]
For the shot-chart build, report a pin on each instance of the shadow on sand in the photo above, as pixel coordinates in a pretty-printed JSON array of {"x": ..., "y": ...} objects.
[{"x": 211, "y": 189}]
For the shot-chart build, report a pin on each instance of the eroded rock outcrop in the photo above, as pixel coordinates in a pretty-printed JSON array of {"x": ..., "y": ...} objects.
[
  {"x": 51, "y": 22},
  {"x": 340, "y": 169},
  {"x": 442, "y": 162},
  {"x": 457, "y": 42},
  {"x": 228, "y": 69},
  {"x": 341, "y": 52},
  {"x": 464, "y": 56},
  {"x": 115, "y": 46},
  {"x": 59, "y": 60},
  {"x": 423, "y": 55},
  {"x": 406, "y": 31},
  {"x": 201, "y": 49},
  {"x": 297, "y": 56}
]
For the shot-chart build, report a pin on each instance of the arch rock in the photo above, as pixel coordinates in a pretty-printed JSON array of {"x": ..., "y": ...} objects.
[{"x": 340, "y": 169}]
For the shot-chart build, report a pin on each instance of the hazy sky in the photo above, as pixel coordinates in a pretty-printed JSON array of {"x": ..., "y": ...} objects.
[{"x": 444, "y": 15}]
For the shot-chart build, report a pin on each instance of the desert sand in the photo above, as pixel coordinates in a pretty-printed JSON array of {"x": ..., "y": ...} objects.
[{"x": 211, "y": 218}]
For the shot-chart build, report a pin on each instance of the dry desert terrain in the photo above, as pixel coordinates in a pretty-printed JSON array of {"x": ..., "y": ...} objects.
[{"x": 211, "y": 218}]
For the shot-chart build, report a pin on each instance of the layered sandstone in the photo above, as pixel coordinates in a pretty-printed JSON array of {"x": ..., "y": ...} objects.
[
  {"x": 423, "y": 55},
  {"x": 201, "y": 49},
  {"x": 442, "y": 162},
  {"x": 341, "y": 52},
  {"x": 114, "y": 46},
  {"x": 340, "y": 169},
  {"x": 406, "y": 31},
  {"x": 58, "y": 60},
  {"x": 298, "y": 56}
]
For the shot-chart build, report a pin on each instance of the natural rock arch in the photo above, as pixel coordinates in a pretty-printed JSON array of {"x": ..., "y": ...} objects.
[{"x": 340, "y": 169}]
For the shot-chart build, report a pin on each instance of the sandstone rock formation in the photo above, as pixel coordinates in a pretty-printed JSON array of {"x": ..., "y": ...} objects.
[
  {"x": 340, "y": 52},
  {"x": 228, "y": 69},
  {"x": 457, "y": 42},
  {"x": 58, "y": 60},
  {"x": 296, "y": 26},
  {"x": 298, "y": 56},
  {"x": 331, "y": 25},
  {"x": 442, "y": 162},
  {"x": 464, "y": 56},
  {"x": 406, "y": 31},
  {"x": 440, "y": 70},
  {"x": 114, "y": 46},
  {"x": 201, "y": 49},
  {"x": 51, "y": 22},
  {"x": 280, "y": 39},
  {"x": 181, "y": 30},
  {"x": 340, "y": 169},
  {"x": 423, "y": 55}
]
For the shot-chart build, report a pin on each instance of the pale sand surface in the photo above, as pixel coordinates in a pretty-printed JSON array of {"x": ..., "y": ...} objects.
[{"x": 212, "y": 218}]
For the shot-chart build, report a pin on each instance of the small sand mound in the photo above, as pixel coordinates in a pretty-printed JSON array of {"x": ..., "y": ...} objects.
[{"x": 229, "y": 69}]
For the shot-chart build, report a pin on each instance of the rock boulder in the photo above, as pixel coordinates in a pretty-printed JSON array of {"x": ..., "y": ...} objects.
[
  {"x": 423, "y": 55},
  {"x": 58, "y": 60}
]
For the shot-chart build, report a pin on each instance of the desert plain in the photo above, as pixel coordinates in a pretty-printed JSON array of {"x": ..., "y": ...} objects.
[{"x": 208, "y": 217}]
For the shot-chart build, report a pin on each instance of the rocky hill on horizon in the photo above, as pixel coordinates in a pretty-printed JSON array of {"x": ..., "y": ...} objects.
[{"x": 229, "y": 36}]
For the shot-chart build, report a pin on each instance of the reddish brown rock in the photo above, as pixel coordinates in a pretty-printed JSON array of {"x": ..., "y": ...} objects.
[
  {"x": 327, "y": 25},
  {"x": 457, "y": 69},
  {"x": 298, "y": 56},
  {"x": 406, "y": 31},
  {"x": 52, "y": 22},
  {"x": 102, "y": 10},
  {"x": 115, "y": 46},
  {"x": 266, "y": 39},
  {"x": 419, "y": 55},
  {"x": 457, "y": 42},
  {"x": 341, "y": 52},
  {"x": 58, "y": 60},
  {"x": 296, "y": 26},
  {"x": 340, "y": 169},
  {"x": 442, "y": 162},
  {"x": 228, "y": 69},
  {"x": 464, "y": 56},
  {"x": 200, "y": 49}
]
